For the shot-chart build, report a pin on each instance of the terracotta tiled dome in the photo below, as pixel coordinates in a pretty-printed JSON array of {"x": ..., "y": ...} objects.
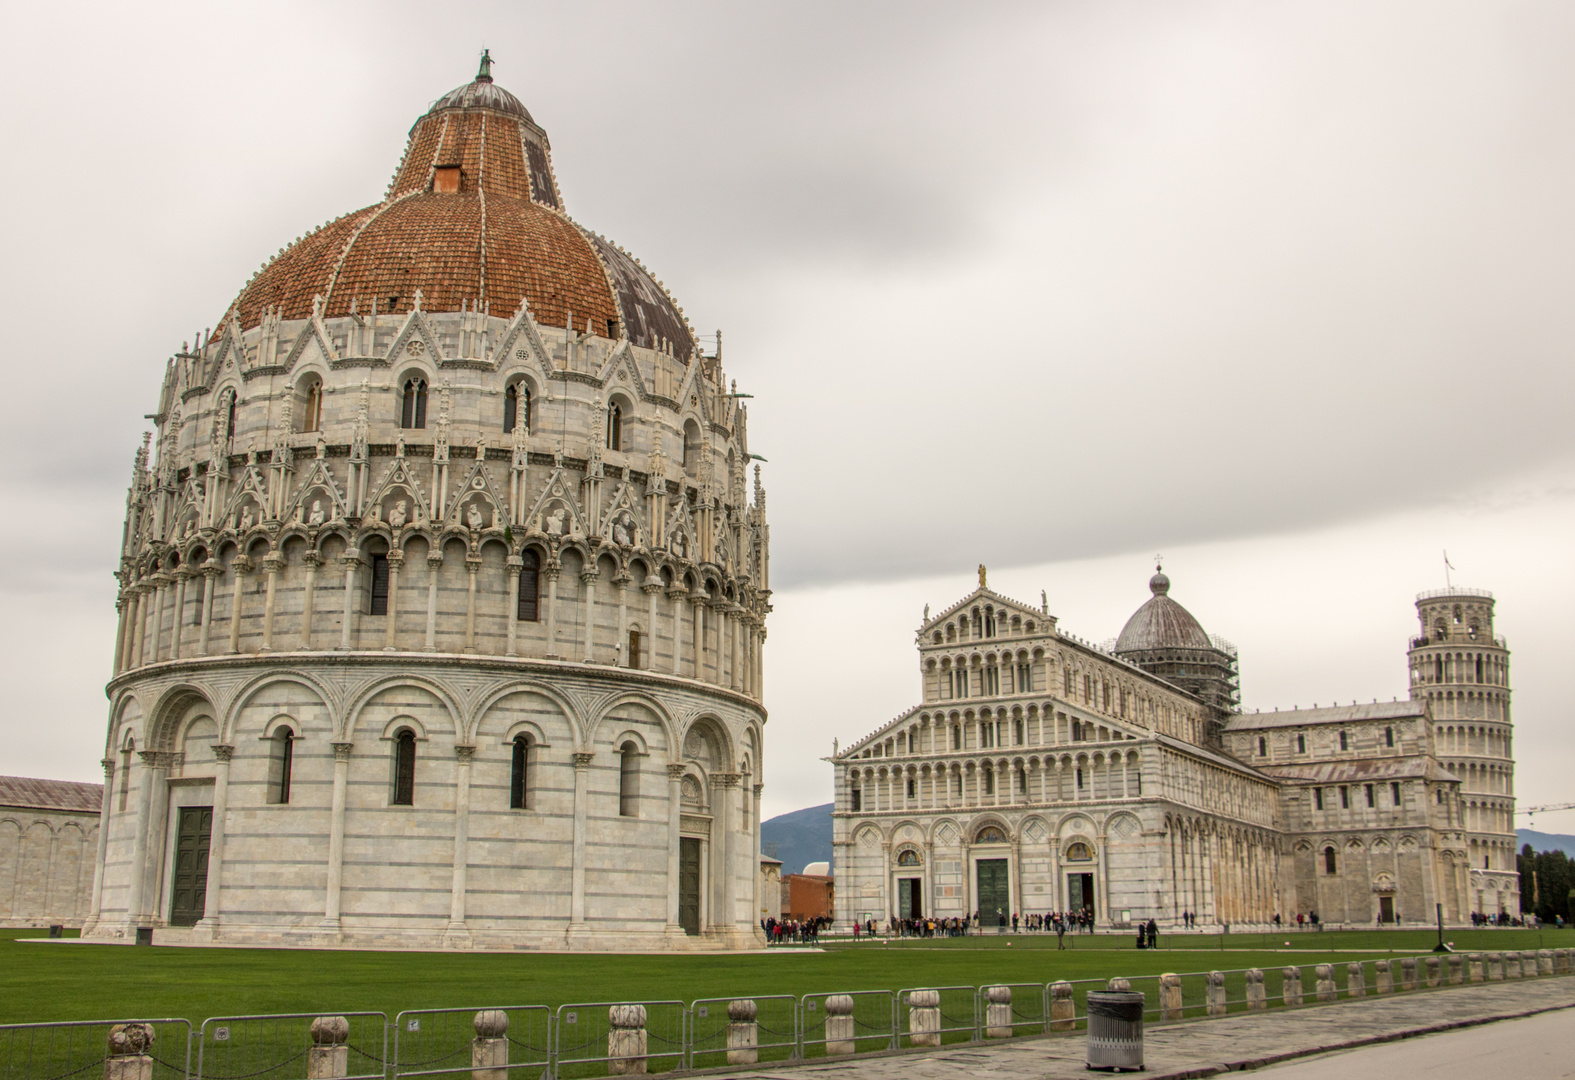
[{"x": 473, "y": 218}]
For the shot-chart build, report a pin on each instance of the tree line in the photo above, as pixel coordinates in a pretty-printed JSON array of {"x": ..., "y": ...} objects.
[{"x": 1547, "y": 884}]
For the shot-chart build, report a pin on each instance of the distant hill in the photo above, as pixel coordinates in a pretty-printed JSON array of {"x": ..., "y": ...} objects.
[
  {"x": 1543, "y": 841},
  {"x": 804, "y": 836}
]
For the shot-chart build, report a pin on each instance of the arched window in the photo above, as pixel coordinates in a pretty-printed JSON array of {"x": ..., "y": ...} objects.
[
  {"x": 530, "y": 586},
  {"x": 1263, "y": 746},
  {"x": 990, "y": 834},
  {"x": 855, "y": 798},
  {"x": 1301, "y": 744},
  {"x": 691, "y": 446},
  {"x": 615, "y": 427},
  {"x": 229, "y": 418},
  {"x": 404, "y": 768},
  {"x": 1328, "y": 860},
  {"x": 516, "y": 407},
  {"x": 634, "y": 648},
  {"x": 312, "y": 412},
  {"x": 1077, "y": 851},
  {"x": 1345, "y": 743},
  {"x": 519, "y": 775},
  {"x": 413, "y": 407},
  {"x": 281, "y": 757},
  {"x": 908, "y": 858},
  {"x": 126, "y": 754},
  {"x": 1389, "y": 736},
  {"x": 957, "y": 737},
  {"x": 629, "y": 780}
]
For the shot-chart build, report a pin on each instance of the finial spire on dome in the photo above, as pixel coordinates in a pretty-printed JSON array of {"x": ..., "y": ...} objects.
[{"x": 484, "y": 72}]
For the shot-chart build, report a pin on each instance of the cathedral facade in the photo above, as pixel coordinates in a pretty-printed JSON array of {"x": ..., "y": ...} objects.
[
  {"x": 442, "y": 591},
  {"x": 1041, "y": 773}
]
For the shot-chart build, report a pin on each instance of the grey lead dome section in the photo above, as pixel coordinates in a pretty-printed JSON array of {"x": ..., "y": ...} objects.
[{"x": 1161, "y": 624}]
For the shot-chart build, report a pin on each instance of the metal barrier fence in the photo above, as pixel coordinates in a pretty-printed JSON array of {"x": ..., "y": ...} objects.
[
  {"x": 597, "y": 1039},
  {"x": 852, "y": 1022},
  {"x": 723, "y": 1031},
  {"x": 955, "y": 1014},
  {"x": 287, "y": 1045},
  {"x": 646, "y": 1036},
  {"x": 434, "y": 1042},
  {"x": 158, "y": 1049}
]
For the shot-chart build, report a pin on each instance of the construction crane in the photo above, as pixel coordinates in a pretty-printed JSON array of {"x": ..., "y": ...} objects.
[{"x": 1529, "y": 810}]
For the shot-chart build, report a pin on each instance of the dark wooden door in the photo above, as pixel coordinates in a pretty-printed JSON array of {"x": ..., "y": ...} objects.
[
  {"x": 689, "y": 885},
  {"x": 910, "y": 898},
  {"x": 1080, "y": 892},
  {"x": 995, "y": 892},
  {"x": 191, "y": 865}
]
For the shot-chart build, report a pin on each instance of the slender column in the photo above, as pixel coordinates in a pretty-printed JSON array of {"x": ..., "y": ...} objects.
[
  {"x": 700, "y": 642},
  {"x": 310, "y": 561},
  {"x": 152, "y": 764},
  {"x": 515, "y": 564},
  {"x": 621, "y": 653},
  {"x": 1055, "y": 876},
  {"x": 181, "y": 577},
  {"x": 96, "y": 901},
  {"x": 588, "y": 580},
  {"x": 754, "y": 857},
  {"x": 123, "y": 608},
  {"x": 675, "y": 810},
  {"x": 210, "y": 571},
  {"x": 473, "y": 567},
  {"x": 887, "y": 884},
  {"x": 1015, "y": 881},
  {"x": 456, "y": 906},
  {"x": 396, "y": 559},
  {"x": 722, "y": 915},
  {"x": 336, "y": 835},
  {"x": 651, "y": 589},
  {"x": 582, "y": 767},
  {"x": 158, "y": 617},
  {"x": 273, "y": 562},
  {"x": 434, "y": 564},
  {"x": 139, "y": 624},
  {"x": 551, "y": 574},
  {"x": 221, "y": 801},
  {"x": 241, "y": 564},
  {"x": 676, "y": 594},
  {"x": 352, "y": 562},
  {"x": 722, "y": 659}
]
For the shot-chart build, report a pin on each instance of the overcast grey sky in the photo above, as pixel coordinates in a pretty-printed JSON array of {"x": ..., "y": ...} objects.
[{"x": 1282, "y": 290}]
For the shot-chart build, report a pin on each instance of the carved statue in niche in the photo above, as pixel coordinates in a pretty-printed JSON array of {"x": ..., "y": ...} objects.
[
  {"x": 245, "y": 521},
  {"x": 316, "y": 517},
  {"x": 473, "y": 517},
  {"x": 557, "y": 521},
  {"x": 398, "y": 515},
  {"x": 680, "y": 546},
  {"x": 623, "y": 529}
]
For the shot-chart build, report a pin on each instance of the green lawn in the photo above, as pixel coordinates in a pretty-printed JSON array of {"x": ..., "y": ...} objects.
[{"x": 73, "y": 981}]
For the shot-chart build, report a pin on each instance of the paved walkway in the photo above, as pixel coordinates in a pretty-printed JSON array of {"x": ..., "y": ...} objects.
[{"x": 1199, "y": 1048}]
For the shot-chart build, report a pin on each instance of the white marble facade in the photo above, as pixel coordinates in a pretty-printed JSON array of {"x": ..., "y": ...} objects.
[
  {"x": 452, "y": 622},
  {"x": 1040, "y": 773}
]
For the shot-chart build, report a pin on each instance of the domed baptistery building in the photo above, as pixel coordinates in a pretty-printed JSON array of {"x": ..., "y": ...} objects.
[{"x": 442, "y": 595}]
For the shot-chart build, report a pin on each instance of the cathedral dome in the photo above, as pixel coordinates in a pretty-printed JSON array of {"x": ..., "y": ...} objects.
[
  {"x": 1161, "y": 623},
  {"x": 473, "y": 220}
]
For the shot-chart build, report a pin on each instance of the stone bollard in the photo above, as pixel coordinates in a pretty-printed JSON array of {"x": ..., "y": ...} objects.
[
  {"x": 1169, "y": 997},
  {"x": 1292, "y": 985},
  {"x": 1495, "y": 967},
  {"x": 1215, "y": 994},
  {"x": 1544, "y": 961},
  {"x": 839, "y": 1025},
  {"x": 924, "y": 1016},
  {"x": 1476, "y": 966},
  {"x": 1383, "y": 978},
  {"x": 743, "y": 1032},
  {"x": 1561, "y": 961},
  {"x": 328, "y": 1056},
  {"x": 1457, "y": 969},
  {"x": 1118, "y": 983},
  {"x": 1063, "y": 1010},
  {"x": 489, "y": 1050},
  {"x": 626, "y": 1040},
  {"x": 128, "y": 1057},
  {"x": 1435, "y": 971},
  {"x": 1326, "y": 988},
  {"x": 1408, "y": 973},
  {"x": 998, "y": 1012},
  {"x": 1257, "y": 1001},
  {"x": 1355, "y": 981},
  {"x": 1512, "y": 965},
  {"x": 1530, "y": 968}
]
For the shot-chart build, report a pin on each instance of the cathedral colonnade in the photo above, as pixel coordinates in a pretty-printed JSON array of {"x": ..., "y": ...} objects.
[{"x": 532, "y": 803}]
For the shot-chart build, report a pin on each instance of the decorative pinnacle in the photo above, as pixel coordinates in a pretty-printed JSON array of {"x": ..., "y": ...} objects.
[{"x": 484, "y": 73}]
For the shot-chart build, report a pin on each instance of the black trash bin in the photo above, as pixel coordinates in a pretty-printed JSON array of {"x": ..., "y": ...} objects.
[{"x": 1115, "y": 1030}]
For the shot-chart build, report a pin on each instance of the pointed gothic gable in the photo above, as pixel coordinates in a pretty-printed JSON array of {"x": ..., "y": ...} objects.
[
  {"x": 317, "y": 484},
  {"x": 250, "y": 497},
  {"x": 619, "y": 369},
  {"x": 682, "y": 538},
  {"x": 478, "y": 490},
  {"x": 313, "y": 343},
  {"x": 986, "y": 595},
  {"x": 556, "y": 511},
  {"x": 399, "y": 499},
  {"x": 621, "y": 523},
  {"x": 521, "y": 344},
  {"x": 415, "y": 329}
]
